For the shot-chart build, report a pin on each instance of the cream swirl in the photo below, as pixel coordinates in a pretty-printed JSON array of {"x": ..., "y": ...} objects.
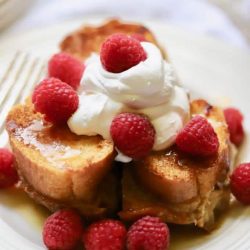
[
  {"x": 147, "y": 84},
  {"x": 150, "y": 88}
]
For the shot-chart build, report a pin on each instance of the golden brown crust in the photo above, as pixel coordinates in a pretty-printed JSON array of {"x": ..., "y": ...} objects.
[
  {"x": 56, "y": 162},
  {"x": 88, "y": 39}
]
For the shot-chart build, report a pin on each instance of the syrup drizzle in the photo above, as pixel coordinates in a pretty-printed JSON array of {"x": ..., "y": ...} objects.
[{"x": 55, "y": 152}]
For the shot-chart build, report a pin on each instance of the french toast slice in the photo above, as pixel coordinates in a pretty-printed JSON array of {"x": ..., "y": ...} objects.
[
  {"x": 57, "y": 164},
  {"x": 179, "y": 188},
  {"x": 88, "y": 39}
]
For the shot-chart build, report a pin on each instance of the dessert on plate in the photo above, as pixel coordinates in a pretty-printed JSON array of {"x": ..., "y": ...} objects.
[
  {"x": 66, "y": 165},
  {"x": 112, "y": 132}
]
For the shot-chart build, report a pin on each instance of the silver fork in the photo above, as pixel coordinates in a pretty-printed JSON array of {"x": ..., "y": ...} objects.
[{"x": 21, "y": 76}]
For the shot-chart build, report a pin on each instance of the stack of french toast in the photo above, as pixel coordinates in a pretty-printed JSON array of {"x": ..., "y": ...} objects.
[{"x": 59, "y": 169}]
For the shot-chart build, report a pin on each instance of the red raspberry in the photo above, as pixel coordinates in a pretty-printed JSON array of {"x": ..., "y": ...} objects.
[
  {"x": 132, "y": 134},
  {"x": 120, "y": 52},
  {"x": 66, "y": 68},
  {"x": 198, "y": 138},
  {"x": 148, "y": 233},
  {"x": 139, "y": 37},
  {"x": 240, "y": 183},
  {"x": 234, "y": 120},
  {"x": 55, "y": 99},
  {"x": 105, "y": 234},
  {"x": 8, "y": 174},
  {"x": 62, "y": 230}
]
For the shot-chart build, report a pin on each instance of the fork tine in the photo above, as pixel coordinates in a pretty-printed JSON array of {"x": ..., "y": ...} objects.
[
  {"x": 21, "y": 80},
  {"x": 36, "y": 71},
  {"x": 14, "y": 71}
]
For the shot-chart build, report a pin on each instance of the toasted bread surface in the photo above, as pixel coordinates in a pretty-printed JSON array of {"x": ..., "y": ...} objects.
[
  {"x": 178, "y": 177},
  {"x": 55, "y": 162},
  {"x": 138, "y": 201},
  {"x": 105, "y": 203},
  {"x": 88, "y": 39},
  {"x": 179, "y": 188}
]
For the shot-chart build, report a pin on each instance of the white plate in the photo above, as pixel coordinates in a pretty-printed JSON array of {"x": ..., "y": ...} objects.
[{"x": 209, "y": 68}]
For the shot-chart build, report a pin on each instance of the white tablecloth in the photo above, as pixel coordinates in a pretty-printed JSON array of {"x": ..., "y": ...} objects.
[{"x": 199, "y": 16}]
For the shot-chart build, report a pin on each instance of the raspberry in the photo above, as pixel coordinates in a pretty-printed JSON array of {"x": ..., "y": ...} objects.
[
  {"x": 62, "y": 230},
  {"x": 132, "y": 134},
  {"x": 66, "y": 68},
  {"x": 240, "y": 183},
  {"x": 148, "y": 233},
  {"x": 105, "y": 234},
  {"x": 234, "y": 120},
  {"x": 8, "y": 174},
  {"x": 55, "y": 99},
  {"x": 198, "y": 138},
  {"x": 120, "y": 52}
]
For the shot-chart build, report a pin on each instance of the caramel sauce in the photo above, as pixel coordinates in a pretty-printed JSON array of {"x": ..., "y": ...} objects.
[{"x": 19, "y": 202}]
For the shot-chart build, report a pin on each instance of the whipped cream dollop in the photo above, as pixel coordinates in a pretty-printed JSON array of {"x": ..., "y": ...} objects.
[{"x": 149, "y": 88}]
